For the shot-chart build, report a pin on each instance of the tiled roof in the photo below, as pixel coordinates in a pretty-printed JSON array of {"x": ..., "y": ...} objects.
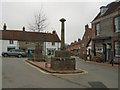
[
  {"x": 28, "y": 36},
  {"x": 112, "y": 7}
]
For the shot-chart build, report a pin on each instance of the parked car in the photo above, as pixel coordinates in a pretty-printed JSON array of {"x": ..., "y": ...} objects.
[{"x": 14, "y": 52}]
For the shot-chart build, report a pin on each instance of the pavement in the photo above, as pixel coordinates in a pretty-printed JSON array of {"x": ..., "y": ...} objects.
[
  {"x": 102, "y": 63},
  {"x": 46, "y": 67}
]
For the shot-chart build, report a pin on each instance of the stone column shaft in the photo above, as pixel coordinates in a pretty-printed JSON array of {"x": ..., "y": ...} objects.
[{"x": 62, "y": 33}]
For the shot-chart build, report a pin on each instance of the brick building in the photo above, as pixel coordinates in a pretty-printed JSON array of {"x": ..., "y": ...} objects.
[
  {"x": 74, "y": 47},
  {"x": 86, "y": 39},
  {"x": 106, "y": 32}
]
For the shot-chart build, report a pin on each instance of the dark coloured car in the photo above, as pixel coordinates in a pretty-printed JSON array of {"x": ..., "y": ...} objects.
[{"x": 14, "y": 52}]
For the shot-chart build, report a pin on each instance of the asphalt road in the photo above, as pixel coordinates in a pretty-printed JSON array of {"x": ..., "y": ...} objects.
[{"x": 17, "y": 74}]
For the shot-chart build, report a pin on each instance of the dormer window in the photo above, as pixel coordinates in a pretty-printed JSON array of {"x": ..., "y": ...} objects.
[{"x": 103, "y": 9}]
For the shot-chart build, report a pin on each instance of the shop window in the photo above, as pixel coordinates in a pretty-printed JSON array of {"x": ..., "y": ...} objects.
[
  {"x": 117, "y": 48},
  {"x": 117, "y": 24},
  {"x": 99, "y": 49}
]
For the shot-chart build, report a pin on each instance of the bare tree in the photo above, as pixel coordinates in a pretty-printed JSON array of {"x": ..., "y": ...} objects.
[{"x": 39, "y": 23}]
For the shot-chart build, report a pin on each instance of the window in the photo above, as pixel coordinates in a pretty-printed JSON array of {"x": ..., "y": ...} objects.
[
  {"x": 97, "y": 29},
  {"x": 117, "y": 48},
  {"x": 11, "y": 41},
  {"x": 50, "y": 52},
  {"x": 117, "y": 24},
  {"x": 53, "y": 43},
  {"x": 10, "y": 48},
  {"x": 82, "y": 45}
]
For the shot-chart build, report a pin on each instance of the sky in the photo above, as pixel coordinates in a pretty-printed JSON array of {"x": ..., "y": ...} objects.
[{"x": 77, "y": 14}]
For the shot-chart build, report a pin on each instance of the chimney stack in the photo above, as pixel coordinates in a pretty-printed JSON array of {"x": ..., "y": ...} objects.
[
  {"x": 4, "y": 26},
  {"x": 62, "y": 33},
  {"x": 79, "y": 39},
  {"x": 54, "y": 32},
  {"x": 23, "y": 28},
  {"x": 86, "y": 27}
]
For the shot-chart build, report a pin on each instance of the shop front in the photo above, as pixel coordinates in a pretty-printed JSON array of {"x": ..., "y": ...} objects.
[{"x": 102, "y": 49}]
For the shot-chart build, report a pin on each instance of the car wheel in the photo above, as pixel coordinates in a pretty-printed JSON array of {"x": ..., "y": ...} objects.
[
  {"x": 19, "y": 56},
  {"x": 5, "y": 55}
]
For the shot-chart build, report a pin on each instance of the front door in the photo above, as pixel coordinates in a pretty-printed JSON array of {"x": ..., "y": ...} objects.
[
  {"x": 104, "y": 52},
  {"x": 108, "y": 51}
]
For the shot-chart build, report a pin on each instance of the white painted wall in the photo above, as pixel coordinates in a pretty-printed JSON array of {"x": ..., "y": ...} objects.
[
  {"x": 48, "y": 45},
  {"x": 4, "y": 44},
  {"x": 89, "y": 47}
]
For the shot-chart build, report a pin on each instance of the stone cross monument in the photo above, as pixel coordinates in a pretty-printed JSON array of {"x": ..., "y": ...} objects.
[
  {"x": 62, "y": 34},
  {"x": 62, "y": 59}
]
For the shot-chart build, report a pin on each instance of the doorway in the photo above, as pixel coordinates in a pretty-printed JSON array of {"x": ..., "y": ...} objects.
[{"x": 104, "y": 52}]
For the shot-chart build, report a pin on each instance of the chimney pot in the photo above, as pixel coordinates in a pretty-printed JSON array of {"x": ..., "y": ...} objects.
[
  {"x": 86, "y": 27},
  {"x": 54, "y": 32},
  {"x": 4, "y": 26},
  {"x": 79, "y": 40},
  {"x": 23, "y": 28}
]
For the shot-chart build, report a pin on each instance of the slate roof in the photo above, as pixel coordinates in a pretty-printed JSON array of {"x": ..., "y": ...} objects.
[
  {"x": 112, "y": 7},
  {"x": 28, "y": 36}
]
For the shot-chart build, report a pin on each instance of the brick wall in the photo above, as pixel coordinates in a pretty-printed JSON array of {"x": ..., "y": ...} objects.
[{"x": 85, "y": 39}]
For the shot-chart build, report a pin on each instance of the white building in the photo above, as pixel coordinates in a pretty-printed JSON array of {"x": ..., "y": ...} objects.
[
  {"x": 16, "y": 39},
  {"x": 6, "y": 45},
  {"x": 89, "y": 49}
]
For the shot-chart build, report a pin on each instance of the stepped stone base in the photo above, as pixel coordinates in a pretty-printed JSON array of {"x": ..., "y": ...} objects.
[{"x": 63, "y": 63}]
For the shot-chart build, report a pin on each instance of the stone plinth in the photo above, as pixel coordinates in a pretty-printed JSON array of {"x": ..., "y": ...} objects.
[
  {"x": 62, "y": 53},
  {"x": 63, "y": 63}
]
